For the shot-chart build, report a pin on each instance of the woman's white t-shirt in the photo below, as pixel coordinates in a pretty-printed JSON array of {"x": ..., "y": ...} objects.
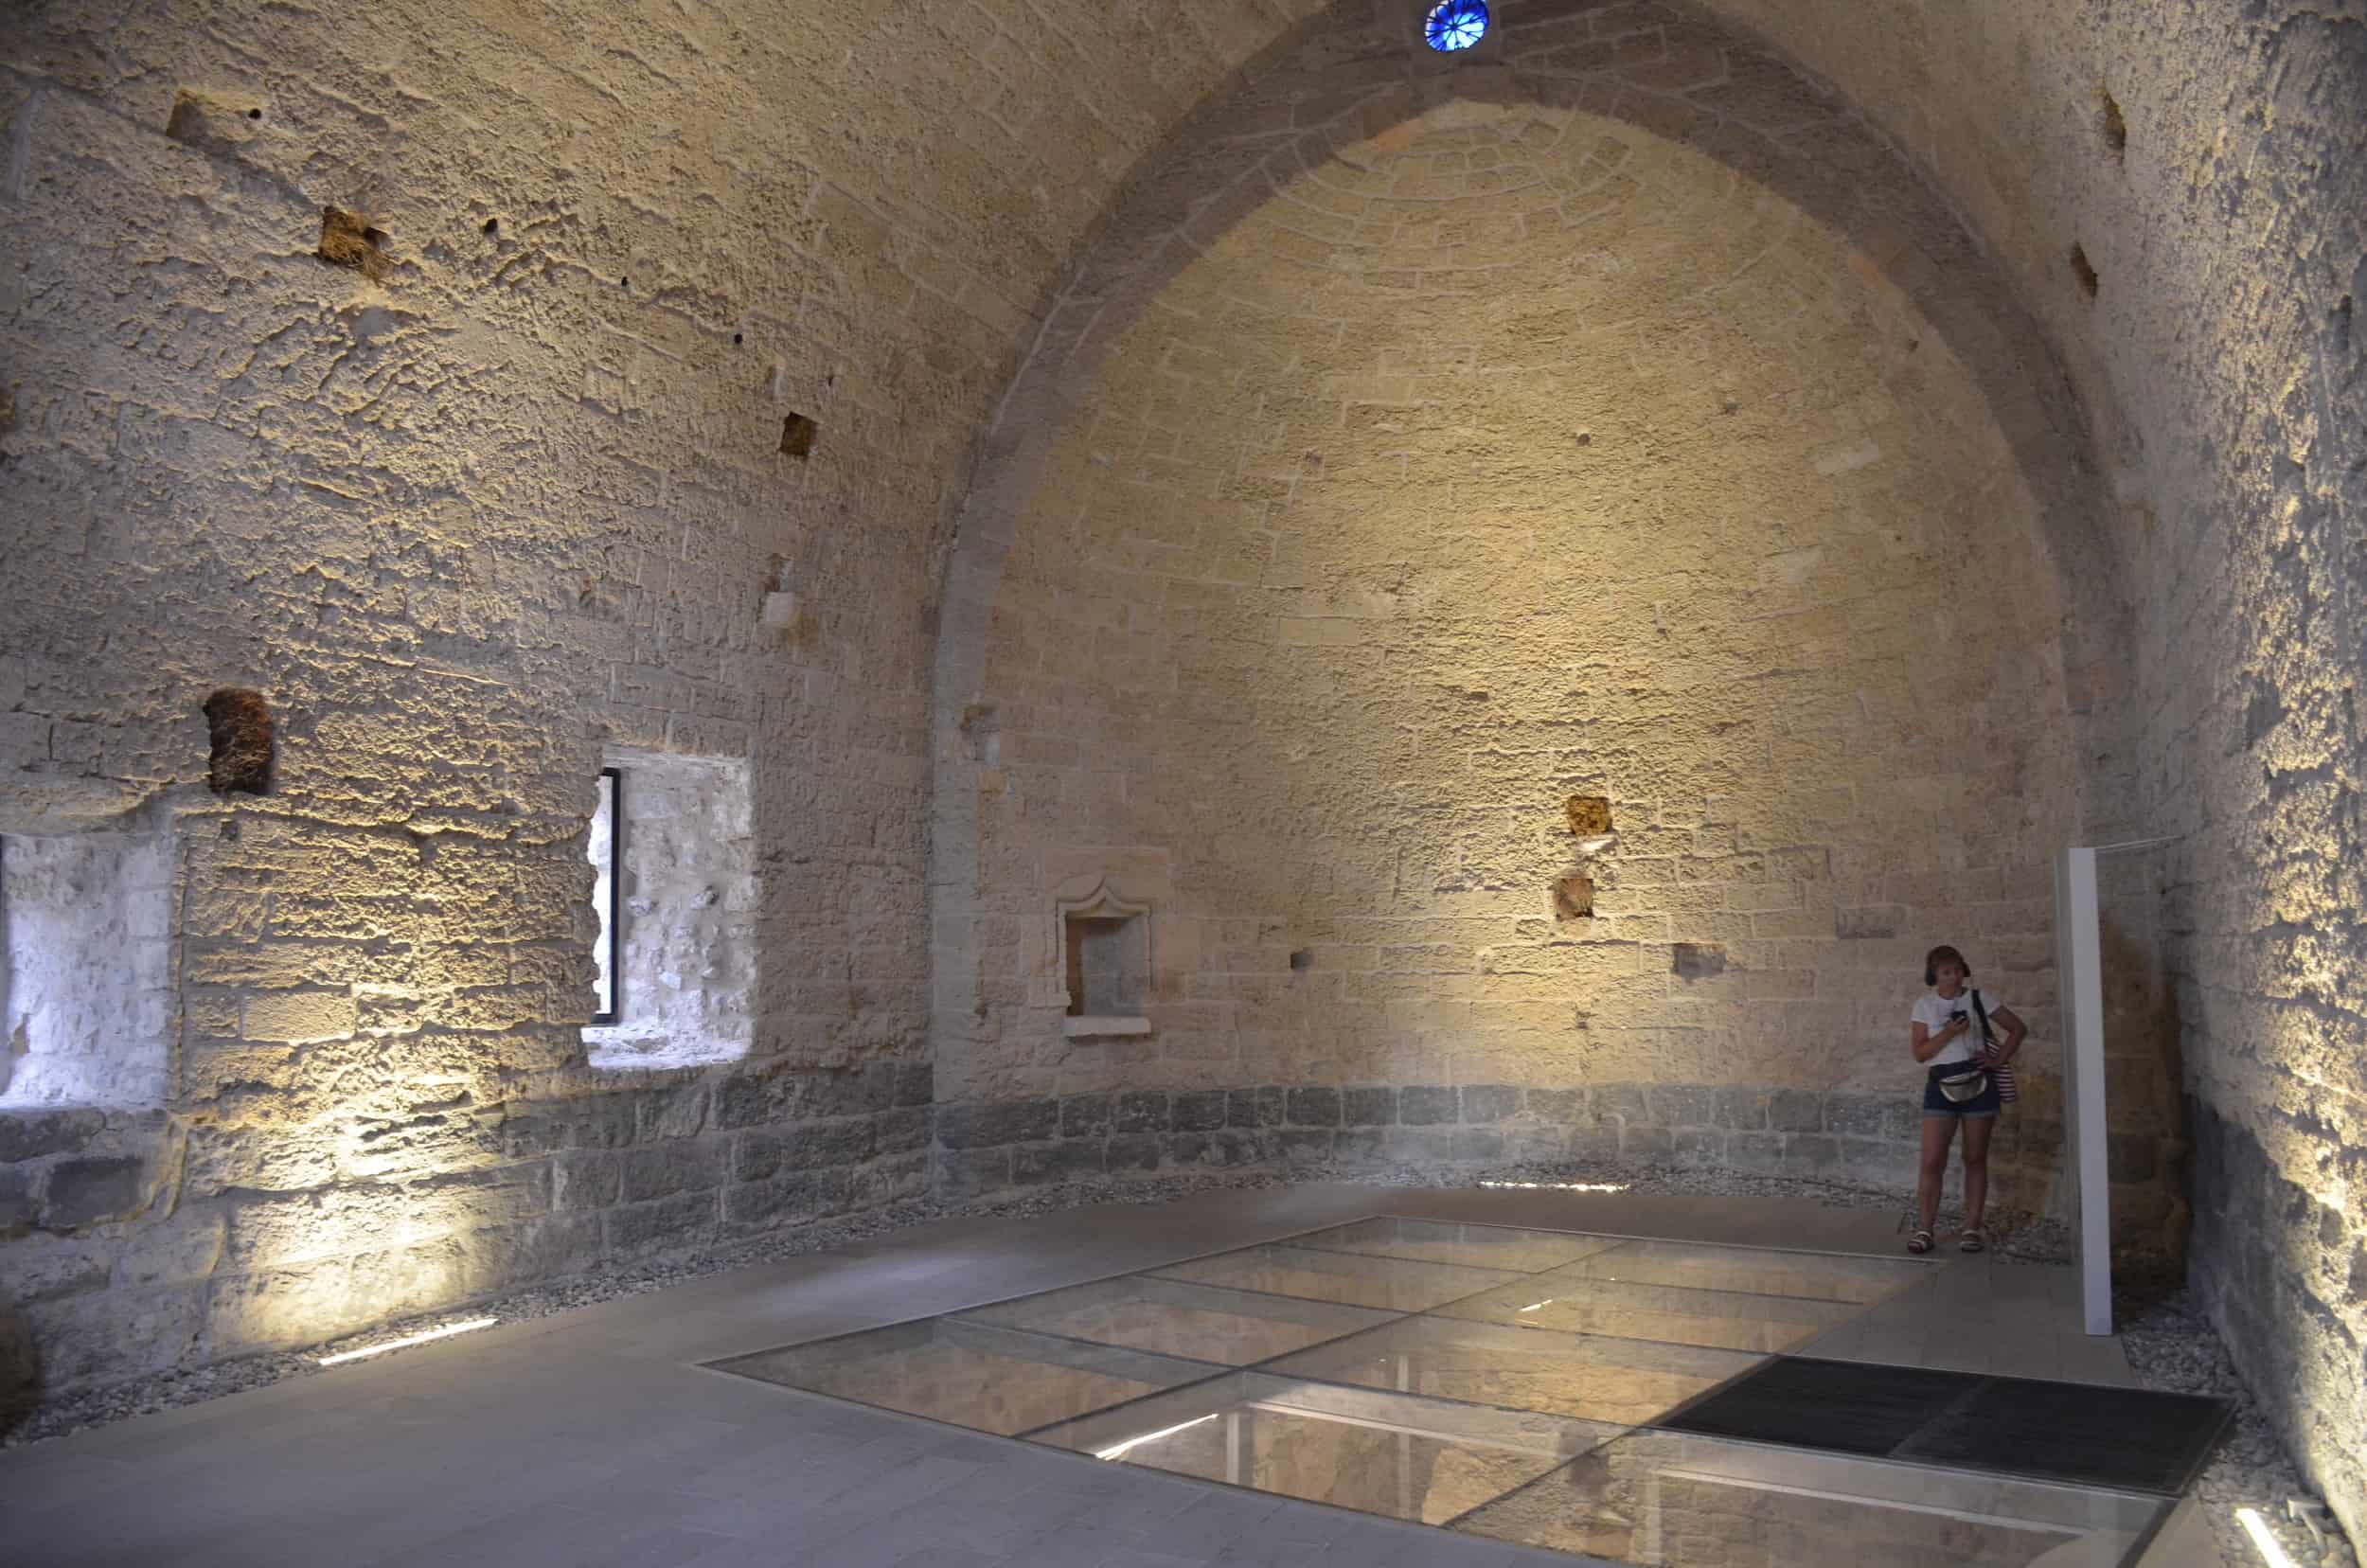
[{"x": 1933, "y": 1011}]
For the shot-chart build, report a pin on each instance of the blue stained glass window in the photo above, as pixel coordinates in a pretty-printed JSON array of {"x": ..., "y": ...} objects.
[{"x": 1455, "y": 25}]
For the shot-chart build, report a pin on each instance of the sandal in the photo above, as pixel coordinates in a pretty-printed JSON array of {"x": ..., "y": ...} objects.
[
  {"x": 1919, "y": 1242},
  {"x": 1972, "y": 1241}
]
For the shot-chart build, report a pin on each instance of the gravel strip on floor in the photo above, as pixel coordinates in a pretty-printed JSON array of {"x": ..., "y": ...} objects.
[{"x": 2167, "y": 1343}]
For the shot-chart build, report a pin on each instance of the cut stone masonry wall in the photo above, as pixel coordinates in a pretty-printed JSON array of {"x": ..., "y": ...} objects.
[
  {"x": 1870, "y": 1140},
  {"x": 118, "y": 1264}
]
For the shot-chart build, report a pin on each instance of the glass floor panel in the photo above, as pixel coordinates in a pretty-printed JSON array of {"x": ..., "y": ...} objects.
[
  {"x": 1381, "y": 1454},
  {"x": 1391, "y": 1284},
  {"x": 992, "y": 1380},
  {"x": 1760, "y": 1271},
  {"x": 1662, "y": 1500},
  {"x": 1672, "y": 1314},
  {"x": 1174, "y": 1317},
  {"x": 1623, "y": 1382},
  {"x": 1444, "y": 1241}
]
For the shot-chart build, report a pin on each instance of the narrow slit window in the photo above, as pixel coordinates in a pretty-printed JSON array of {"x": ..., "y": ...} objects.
[{"x": 607, "y": 851}]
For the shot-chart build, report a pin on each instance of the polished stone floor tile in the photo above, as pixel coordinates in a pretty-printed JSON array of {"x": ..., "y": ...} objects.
[
  {"x": 1572, "y": 1303},
  {"x": 969, "y": 1374},
  {"x": 1666, "y": 1500},
  {"x": 1389, "y": 1284},
  {"x": 1376, "y": 1452},
  {"x": 1445, "y": 1241},
  {"x": 1623, "y": 1382},
  {"x": 1759, "y": 1271},
  {"x": 1175, "y": 1317}
]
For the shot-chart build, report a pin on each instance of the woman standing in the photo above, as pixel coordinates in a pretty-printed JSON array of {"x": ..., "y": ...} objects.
[{"x": 1952, "y": 1033}]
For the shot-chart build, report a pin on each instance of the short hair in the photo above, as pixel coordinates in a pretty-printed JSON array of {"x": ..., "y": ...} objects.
[{"x": 1943, "y": 954}]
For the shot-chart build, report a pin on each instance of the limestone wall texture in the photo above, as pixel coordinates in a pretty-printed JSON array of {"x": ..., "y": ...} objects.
[
  {"x": 520, "y": 477},
  {"x": 1423, "y": 449}
]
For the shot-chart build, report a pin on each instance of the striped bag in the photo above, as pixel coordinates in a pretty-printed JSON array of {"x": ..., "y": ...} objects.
[{"x": 1991, "y": 1054}]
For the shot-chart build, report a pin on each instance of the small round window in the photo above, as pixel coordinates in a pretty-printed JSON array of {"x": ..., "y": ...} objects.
[{"x": 1455, "y": 25}]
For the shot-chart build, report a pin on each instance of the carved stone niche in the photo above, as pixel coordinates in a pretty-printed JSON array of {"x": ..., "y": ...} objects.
[{"x": 1103, "y": 940}]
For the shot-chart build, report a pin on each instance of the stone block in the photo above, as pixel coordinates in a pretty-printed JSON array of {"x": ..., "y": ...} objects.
[
  {"x": 2131, "y": 1156},
  {"x": 1314, "y": 1107},
  {"x": 1066, "y": 1161},
  {"x": 1426, "y": 1105},
  {"x": 1897, "y": 1116},
  {"x": 1485, "y": 1104},
  {"x": 1691, "y": 961},
  {"x": 1760, "y": 1154},
  {"x": 1135, "y": 1152},
  {"x": 1360, "y": 1145},
  {"x": 1223, "y": 1146},
  {"x": 895, "y": 1131},
  {"x": 1370, "y": 1106},
  {"x": 1142, "y": 1110},
  {"x": 1594, "y": 1140},
  {"x": 676, "y": 1111},
  {"x": 1696, "y": 1148},
  {"x": 787, "y": 1199},
  {"x": 1419, "y": 1145},
  {"x": 843, "y": 1093},
  {"x": 752, "y": 1099},
  {"x": 1253, "y": 1108},
  {"x": 1741, "y": 1108},
  {"x": 1682, "y": 1105},
  {"x": 1795, "y": 1111},
  {"x": 914, "y": 1082},
  {"x": 300, "y": 1017},
  {"x": 962, "y": 1173},
  {"x": 1867, "y": 922},
  {"x": 17, "y": 1206},
  {"x": 1197, "y": 1110},
  {"x": 1476, "y": 1144},
  {"x": 888, "y": 1180},
  {"x": 1811, "y": 1153},
  {"x": 810, "y": 1146},
  {"x": 1537, "y": 1141},
  {"x": 32, "y": 1134},
  {"x": 87, "y": 1190},
  {"x": 560, "y": 1245},
  {"x": 677, "y": 1165},
  {"x": 664, "y": 1225},
  {"x": 586, "y": 1179},
  {"x": 1085, "y": 1116},
  {"x": 1646, "y": 1145},
  {"x": 1560, "y": 1106},
  {"x": 1303, "y": 1146},
  {"x": 993, "y": 1123},
  {"x": 1623, "y": 1100}
]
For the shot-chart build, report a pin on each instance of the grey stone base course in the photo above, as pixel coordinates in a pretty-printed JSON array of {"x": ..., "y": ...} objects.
[
  {"x": 111, "y": 1272},
  {"x": 1868, "y": 1139}
]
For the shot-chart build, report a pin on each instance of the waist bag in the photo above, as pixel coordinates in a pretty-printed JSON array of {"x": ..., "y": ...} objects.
[{"x": 1960, "y": 1081}]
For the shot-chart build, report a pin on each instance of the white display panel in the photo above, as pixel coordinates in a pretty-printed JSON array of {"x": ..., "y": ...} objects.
[{"x": 2080, "y": 965}]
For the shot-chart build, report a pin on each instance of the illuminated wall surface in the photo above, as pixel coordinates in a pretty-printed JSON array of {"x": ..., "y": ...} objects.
[{"x": 1222, "y": 458}]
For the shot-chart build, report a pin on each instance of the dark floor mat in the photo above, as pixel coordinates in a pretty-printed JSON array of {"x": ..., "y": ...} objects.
[
  {"x": 1848, "y": 1407},
  {"x": 2085, "y": 1433},
  {"x": 2129, "y": 1437}
]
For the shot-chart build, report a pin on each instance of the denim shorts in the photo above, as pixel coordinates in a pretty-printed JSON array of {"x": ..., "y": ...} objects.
[{"x": 1985, "y": 1103}]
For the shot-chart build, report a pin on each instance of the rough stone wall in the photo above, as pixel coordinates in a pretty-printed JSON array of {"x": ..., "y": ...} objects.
[
  {"x": 2181, "y": 192},
  {"x": 472, "y": 483},
  {"x": 1480, "y": 452}
]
